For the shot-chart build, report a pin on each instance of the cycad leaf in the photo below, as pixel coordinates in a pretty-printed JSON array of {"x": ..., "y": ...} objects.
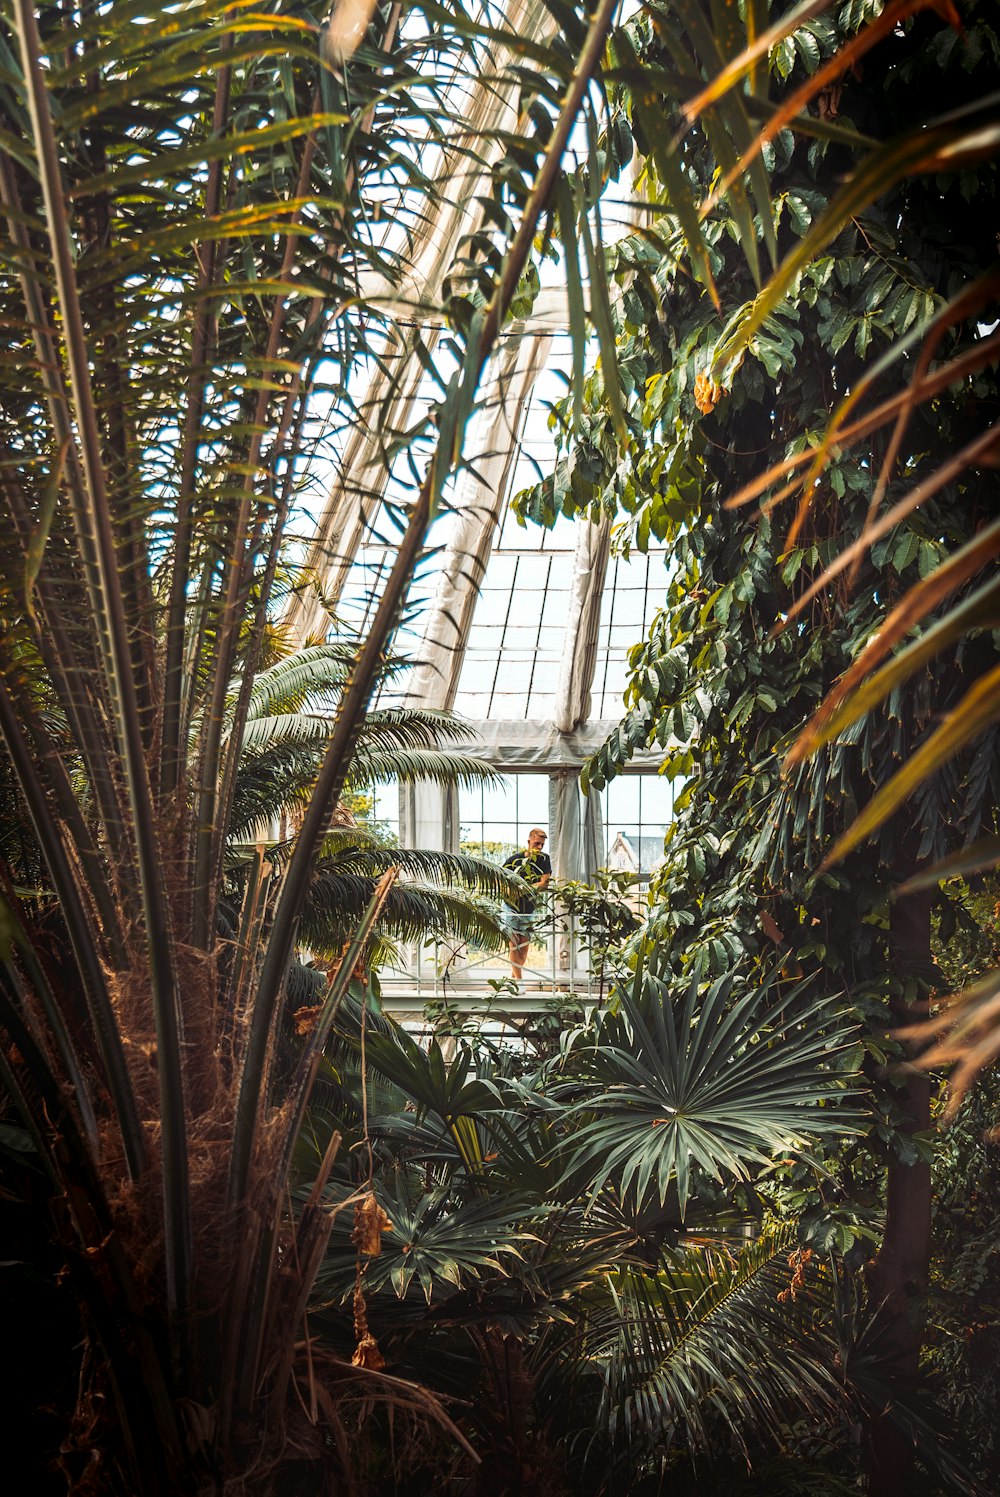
[{"x": 706, "y": 1339}]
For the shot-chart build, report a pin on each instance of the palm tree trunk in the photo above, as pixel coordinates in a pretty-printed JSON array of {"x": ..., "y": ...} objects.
[{"x": 897, "y": 1275}]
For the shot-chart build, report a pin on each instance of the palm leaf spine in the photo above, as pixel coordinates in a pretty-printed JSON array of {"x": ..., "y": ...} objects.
[
  {"x": 72, "y": 1169},
  {"x": 255, "y": 1313},
  {"x": 173, "y": 755},
  {"x": 305, "y": 1069},
  {"x": 95, "y": 522},
  {"x": 23, "y": 716},
  {"x": 242, "y": 708},
  {"x": 81, "y": 935},
  {"x": 210, "y": 829},
  {"x": 75, "y": 1081},
  {"x": 68, "y": 678},
  {"x": 251, "y": 918}
]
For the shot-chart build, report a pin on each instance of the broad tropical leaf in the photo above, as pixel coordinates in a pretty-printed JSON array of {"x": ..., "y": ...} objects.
[
  {"x": 705, "y": 1083},
  {"x": 711, "y": 1344}
]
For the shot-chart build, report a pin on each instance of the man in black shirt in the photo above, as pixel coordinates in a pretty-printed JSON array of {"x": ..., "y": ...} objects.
[{"x": 535, "y": 867}]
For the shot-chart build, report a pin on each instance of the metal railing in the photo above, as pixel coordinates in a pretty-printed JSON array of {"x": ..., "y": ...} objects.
[{"x": 450, "y": 973}]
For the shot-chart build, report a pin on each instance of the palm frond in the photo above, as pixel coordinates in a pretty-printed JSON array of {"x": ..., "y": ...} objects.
[
  {"x": 187, "y": 216},
  {"x": 441, "y": 868},
  {"x": 706, "y": 1081},
  {"x": 310, "y": 678},
  {"x": 413, "y": 912},
  {"x": 704, "y": 1347},
  {"x": 439, "y": 1240}
]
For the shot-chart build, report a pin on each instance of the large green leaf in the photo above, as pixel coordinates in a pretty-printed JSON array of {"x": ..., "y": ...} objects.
[
  {"x": 935, "y": 146},
  {"x": 708, "y": 1083},
  {"x": 706, "y": 1345}
]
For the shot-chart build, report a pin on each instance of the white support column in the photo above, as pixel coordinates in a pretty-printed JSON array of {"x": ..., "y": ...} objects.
[
  {"x": 590, "y": 564},
  {"x": 565, "y": 839},
  {"x": 592, "y": 834},
  {"x": 428, "y": 816},
  {"x": 489, "y": 111}
]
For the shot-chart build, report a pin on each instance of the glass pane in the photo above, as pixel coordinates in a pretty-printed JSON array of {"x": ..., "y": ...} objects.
[
  {"x": 513, "y": 673},
  {"x": 615, "y": 678},
  {"x": 551, "y": 610},
  {"x": 622, "y": 805},
  {"x": 521, "y": 636},
  {"x": 541, "y": 705},
  {"x": 499, "y": 572},
  {"x": 546, "y": 675},
  {"x": 623, "y": 848},
  {"x": 484, "y": 651},
  {"x": 498, "y": 801},
  {"x": 491, "y": 609},
  {"x": 562, "y": 535},
  {"x": 637, "y": 810},
  {"x": 532, "y": 575},
  {"x": 386, "y": 802},
  {"x": 657, "y": 801},
  {"x": 472, "y": 704},
  {"x": 533, "y": 801},
  {"x": 471, "y": 799},
  {"x": 626, "y": 609},
  {"x": 650, "y": 851}
]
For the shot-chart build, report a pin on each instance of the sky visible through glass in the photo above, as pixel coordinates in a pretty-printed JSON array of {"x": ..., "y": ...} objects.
[
  {"x": 515, "y": 650},
  {"x": 635, "y": 811},
  {"x": 517, "y": 641}
]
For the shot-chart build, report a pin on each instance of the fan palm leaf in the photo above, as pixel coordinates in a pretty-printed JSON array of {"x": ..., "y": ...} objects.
[
  {"x": 440, "y": 1239},
  {"x": 710, "y": 1082}
]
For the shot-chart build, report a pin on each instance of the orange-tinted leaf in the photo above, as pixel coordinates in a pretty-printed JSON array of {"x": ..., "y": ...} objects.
[
  {"x": 977, "y": 710},
  {"x": 980, "y": 856},
  {"x": 731, "y": 74},
  {"x": 839, "y": 707}
]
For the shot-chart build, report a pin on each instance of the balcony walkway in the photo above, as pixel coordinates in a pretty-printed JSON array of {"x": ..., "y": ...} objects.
[
  {"x": 402, "y": 995},
  {"x": 450, "y": 976}
]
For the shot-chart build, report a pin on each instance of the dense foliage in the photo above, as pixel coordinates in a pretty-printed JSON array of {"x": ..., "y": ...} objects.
[
  {"x": 723, "y": 683},
  {"x": 192, "y": 198},
  {"x": 307, "y": 1253}
]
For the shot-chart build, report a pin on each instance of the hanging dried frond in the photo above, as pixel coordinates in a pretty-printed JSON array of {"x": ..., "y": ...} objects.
[
  {"x": 370, "y": 1221},
  {"x": 366, "y": 1352}
]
